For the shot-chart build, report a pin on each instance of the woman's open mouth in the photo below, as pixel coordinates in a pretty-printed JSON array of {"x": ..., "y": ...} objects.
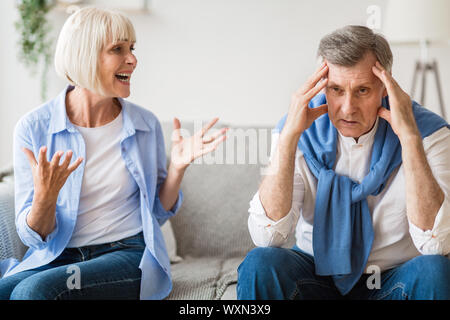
[{"x": 123, "y": 78}]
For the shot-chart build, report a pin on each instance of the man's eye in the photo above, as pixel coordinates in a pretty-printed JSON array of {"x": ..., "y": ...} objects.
[
  {"x": 363, "y": 90},
  {"x": 117, "y": 49}
]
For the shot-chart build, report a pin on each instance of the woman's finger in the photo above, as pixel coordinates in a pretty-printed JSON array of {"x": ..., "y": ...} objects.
[
  {"x": 176, "y": 136},
  {"x": 67, "y": 159},
  {"x": 213, "y": 137},
  {"x": 56, "y": 158},
  {"x": 30, "y": 156},
  {"x": 42, "y": 157},
  {"x": 75, "y": 165},
  {"x": 208, "y": 126},
  {"x": 212, "y": 146}
]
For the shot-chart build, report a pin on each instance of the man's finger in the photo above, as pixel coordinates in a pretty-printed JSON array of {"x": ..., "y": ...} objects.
[
  {"x": 311, "y": 83},
  {"x": 384, "y": 113},
  {"x": 385, "y": 77},
  {"x": 30, "y": 156},
  {"x": 312, "y": 93},
  {"x": 322, "y": 65},
  {"x": 318, "y": 111}
]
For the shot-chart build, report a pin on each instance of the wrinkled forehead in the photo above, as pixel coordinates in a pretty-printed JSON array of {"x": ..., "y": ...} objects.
[
  {"x": 358, "y": 74},
  {"x": 344, "y": 76}
]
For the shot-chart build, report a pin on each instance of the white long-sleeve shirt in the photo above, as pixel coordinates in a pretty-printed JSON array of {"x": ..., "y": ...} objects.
[{"x": 396, "y": 239}]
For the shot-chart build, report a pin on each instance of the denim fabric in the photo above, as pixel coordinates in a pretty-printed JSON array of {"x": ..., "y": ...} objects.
[
  {"x": 143, "y": 151},
  {"x": 107, "y": 271},
  {"x": 279, "y": 273}
]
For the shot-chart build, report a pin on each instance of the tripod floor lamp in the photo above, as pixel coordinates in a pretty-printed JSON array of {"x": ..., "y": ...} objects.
[
  {"x": 424, "y": 23},
  {"x": 421, "y": 71}
]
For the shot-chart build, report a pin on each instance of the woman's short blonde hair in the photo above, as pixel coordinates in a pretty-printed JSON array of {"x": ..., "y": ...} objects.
[{"x": 82, "y": 38}]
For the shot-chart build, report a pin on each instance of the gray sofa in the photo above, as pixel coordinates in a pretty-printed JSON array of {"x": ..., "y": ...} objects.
[{"x": 208, "y": 238}]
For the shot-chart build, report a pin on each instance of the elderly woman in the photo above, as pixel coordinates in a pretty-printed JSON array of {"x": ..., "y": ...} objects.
[{"x": 92, "y": 224}]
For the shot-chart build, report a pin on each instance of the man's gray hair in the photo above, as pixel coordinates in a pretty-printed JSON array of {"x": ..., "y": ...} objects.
[{"x": 348, "y": 45}]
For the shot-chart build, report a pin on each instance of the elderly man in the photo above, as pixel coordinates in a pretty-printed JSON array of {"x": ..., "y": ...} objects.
[{"x": 362, "y": 174}]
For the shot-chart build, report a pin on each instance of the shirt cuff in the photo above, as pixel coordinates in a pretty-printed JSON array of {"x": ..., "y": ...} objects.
[
  {"x": 436, "y": 240},
  {"x": 30, "y": 237},
  {"x": 162, "y": 214},
  {"x": 265, "y": 231}
]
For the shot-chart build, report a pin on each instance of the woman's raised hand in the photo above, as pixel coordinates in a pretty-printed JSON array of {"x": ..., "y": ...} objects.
[
  {"x": 50, "y": 176},
  {"x": 187, "y": 149}
]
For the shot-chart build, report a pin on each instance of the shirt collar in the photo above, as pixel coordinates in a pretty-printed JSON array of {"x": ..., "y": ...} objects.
[
  {"x": 59, "y": 121},
  {"x": 364, "y": 139}
]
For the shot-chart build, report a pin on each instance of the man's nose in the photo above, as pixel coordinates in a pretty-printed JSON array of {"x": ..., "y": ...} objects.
[{"x": 348, "y": 106}]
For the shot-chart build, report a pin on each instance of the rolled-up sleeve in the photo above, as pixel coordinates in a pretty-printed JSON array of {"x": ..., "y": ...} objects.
[
  {"x": 30, "y": 237},
  {"x": 24, "y": 188},
  {"x": 162, "y": 214},
  {"x": 266, "y": 232},
  {"x": 436, "y": 240},
  {"x": 159, "y": 212}
]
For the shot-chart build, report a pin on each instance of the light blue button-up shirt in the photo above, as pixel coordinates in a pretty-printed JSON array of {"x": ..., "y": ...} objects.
[{"x": 142, "y": 149}]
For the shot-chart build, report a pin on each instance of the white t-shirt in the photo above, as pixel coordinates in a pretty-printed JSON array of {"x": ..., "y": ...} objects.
[{"x": 109, "y": 208}]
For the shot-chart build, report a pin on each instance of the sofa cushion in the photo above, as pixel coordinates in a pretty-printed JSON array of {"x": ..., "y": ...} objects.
[
  {"x": 171, "y": 244},
  {"x": 205, "y": 278},
  {"x": 213, "y": 218}
]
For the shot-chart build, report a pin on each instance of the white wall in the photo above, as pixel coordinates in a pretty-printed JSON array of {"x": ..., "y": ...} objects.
[{"x": 239, "y": 60}]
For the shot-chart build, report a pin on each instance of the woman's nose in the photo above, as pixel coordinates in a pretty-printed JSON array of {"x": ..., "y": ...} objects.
[{"x": 131, "y": 59}]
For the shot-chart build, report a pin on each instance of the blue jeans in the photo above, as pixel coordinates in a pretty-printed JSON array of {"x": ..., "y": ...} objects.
[
  {"x": 280, "y": 273},
  {"x": 105, "y": 271}
]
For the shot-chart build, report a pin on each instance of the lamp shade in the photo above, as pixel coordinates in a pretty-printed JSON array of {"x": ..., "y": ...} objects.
[{"x": 411, "y": 21}]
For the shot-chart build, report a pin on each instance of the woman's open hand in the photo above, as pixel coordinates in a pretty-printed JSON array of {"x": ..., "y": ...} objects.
[
  {"x": 49, "y": 177},
  {"x": 187, "y": 149}
]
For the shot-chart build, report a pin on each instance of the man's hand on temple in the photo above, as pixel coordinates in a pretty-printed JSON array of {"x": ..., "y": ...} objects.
[
  {"x": 400, "y": 117},
  {"x": 300, "y": 115}
]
